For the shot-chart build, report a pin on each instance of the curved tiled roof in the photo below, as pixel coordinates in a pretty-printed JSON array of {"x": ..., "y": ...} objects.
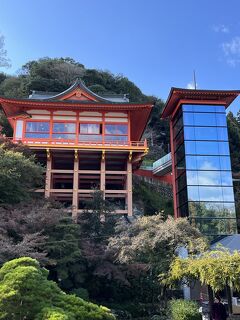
[{"x": 40, "y": 95}]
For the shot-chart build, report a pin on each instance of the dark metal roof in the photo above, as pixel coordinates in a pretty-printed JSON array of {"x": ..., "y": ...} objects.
[
  {"x": 41, "y": 95},
  {"x": 229, "y": 242}
]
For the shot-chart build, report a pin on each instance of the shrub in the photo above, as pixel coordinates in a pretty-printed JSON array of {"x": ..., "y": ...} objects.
[
  {"x": 184, "y": 310},
  {"x": 26, "y": 293}
]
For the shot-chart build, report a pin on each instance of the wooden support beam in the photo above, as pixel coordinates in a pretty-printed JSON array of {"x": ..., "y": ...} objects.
[
  {"x": 129, "y": 188},
  {"x": 48, "y": 174},
  {"x": 62, "y": 171},
  {"x": 75, "y": 186},
  {"x": 61, "y": 190},
  {"x": 116, "y": 172},
  {"x": 116, "y": 191},
  {"x": 103, "y": 175}
]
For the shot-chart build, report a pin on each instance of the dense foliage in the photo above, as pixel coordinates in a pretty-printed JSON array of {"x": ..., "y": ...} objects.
[
  {"x": 18, "y": 175},
  {"x": 216, "y": 268},
  {"x": 26, "y": 293},
  {"x": 234, "y": 139},
  {"x": 184, "y": 310}
]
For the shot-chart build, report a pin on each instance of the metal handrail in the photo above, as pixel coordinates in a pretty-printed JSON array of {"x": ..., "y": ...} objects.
[{"x": 160, "y": 162}]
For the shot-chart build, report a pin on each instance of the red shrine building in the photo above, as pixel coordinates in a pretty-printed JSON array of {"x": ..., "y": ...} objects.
[
  {"x": 89, "y": 142},
  {"x": 86, "y": 141}
]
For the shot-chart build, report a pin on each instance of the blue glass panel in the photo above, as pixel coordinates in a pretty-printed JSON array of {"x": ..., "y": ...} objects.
[
  {"x": 190, "y": 147},
  {"x": 208, "y": 163},
  {"x": 116, "y": 138},
  {"x": 217, "y": 209},
  {"x": 228, "y": 194},
  {"x": 191, "y": 162},
  {"x": 64, "y": 127},
  {"x": 210, "y": 194},
  {"x": 222, "y": 133},
  {"x": 116, "y": 129},
  {"x": 225, "y": 162},
  {"x": 91, "y": 128},
  {"x": 212, "y": 209},
  {"x": 37, "y": 135},
  {"x": 229, "y": 209},
  {"x": 205, "y": 119},
  {"x": 37, "y": 126},
  {"x": 189, "y": 133},
  {"x": 122, "y": 129},
  {"x": 209, "y": 178},
  {"x": 220, "y": 109},
  {"x": 187, "y": 107},
  {"x": 223, "y": 148},
  {"x": 65, "y": 136},
  {"x": 221, "y": 119},
  {"x": 203, "y": 108},
  {"x": 193, "y": 193},
  {"x": 90, "y": 137},
  {"x": 188, "y": 119},
  {"x": 206, "y": 147},
  {"x": 215, "y": 226},
  {"x": 192, "y": 177},
  {"x": 226, "y": 177},
  {"x": 209, "y": 133},
  {"x": 205, "y": 133}
]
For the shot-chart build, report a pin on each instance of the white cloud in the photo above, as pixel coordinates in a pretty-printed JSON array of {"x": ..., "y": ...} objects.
[
  {"x": 221, "y": 28},
  {"x": 232, "y": 47},
  {"x": 231, "y": 50},
  {"x": 191, "y": 85}
]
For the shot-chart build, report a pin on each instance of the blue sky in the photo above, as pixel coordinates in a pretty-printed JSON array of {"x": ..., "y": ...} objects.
[{"x": 155, "y": 43}]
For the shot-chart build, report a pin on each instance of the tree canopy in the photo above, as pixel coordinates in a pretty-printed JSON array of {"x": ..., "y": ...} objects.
[
  {"x": 19, "y": 175},
  {"x": 216, "y": 268},
  {"x": 26, "y": 293}
]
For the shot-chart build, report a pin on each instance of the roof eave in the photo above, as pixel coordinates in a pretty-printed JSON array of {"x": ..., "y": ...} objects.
[{"x": 192, "y": 94}]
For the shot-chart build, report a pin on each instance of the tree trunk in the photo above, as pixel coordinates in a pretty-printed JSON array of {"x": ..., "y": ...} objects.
[
  {"x": 229, "y": 298},
  {"x": 210, "y": 300}
]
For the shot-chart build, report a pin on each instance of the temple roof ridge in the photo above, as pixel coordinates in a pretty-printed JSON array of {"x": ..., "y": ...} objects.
[{"x": 78, "y": 83}]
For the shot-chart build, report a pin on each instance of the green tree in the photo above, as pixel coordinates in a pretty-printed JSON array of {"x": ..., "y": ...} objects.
[
  {"x": 216, "y": 268},
  {"x": 25, "y": 229},
  {"x": 5, "y": 128},
  {"x": 18, "y": 174},
  {"x": 63, "y": 247},
  {"x": 151, "y": 244},
  {"x": 26, "y": 293},
  {"x": 184, "y": 310}
]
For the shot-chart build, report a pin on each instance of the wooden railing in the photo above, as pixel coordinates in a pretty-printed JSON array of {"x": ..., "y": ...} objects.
[{"x": 116, "y": 143}]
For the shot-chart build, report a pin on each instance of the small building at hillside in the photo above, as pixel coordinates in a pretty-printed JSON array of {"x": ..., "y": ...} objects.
[{"x": 86, "y": 141}]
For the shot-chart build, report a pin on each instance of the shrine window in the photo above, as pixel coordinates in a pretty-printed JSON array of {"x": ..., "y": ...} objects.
[
  {"x": 116, "y": 132},
  {"x": 37, "y": 129},
  {"x": 63, "y": 130},
  {"x": 90, "y": 132}
]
